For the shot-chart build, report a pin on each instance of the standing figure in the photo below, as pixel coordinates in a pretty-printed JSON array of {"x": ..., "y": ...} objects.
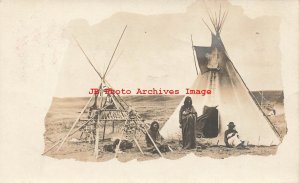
[{"x": 187, "y": 120}]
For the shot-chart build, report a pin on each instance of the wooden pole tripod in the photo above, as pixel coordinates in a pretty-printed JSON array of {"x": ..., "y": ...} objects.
[{"x": 101, "y": 112}]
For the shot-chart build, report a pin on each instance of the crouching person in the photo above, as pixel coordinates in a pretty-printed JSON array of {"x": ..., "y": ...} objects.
[
  {"x": 231, "y": 137},
  {"x": 154, "y": 134}
]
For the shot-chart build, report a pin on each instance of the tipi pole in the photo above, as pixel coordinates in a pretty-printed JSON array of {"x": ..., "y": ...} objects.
[
  {"x": 113, "y": 126},
  {"x": 154, "y": 144},
  {"x": 137, "y": 144},
  {"x": 194, "y": 54},
  {"x": 74, "y": 124},
  {"x": 261, "y": 98},
  {"x": 115, "y": 98},
  {"x": 52, "y": 146},
  {"x": 101, "y": 93},
  {"x": 69, "y": 135},
  {"x": 104, "y": 127},
  {"x": 118, "y": 146},
  {"x": 254, "y": 99},
  {"x": 216, "y": 22},
  {"x": 80, "y": 135},
  {"x": 101, "y": 105},
  {"x": 96, "y": 149},
  {"x": 87, "y": 57},
  {"x": 207, "y": 26},
  {"x": 114, "y": 52},
  {"x": 100, "y": 89},
  {"x": 106, "y": 82},
  {"x": 219, "y": 20},
  {"x": 120, "y": 139},
  {"x": 103, "y": 80},
  {"x": 211, "y": 19},
  {"x": 223, "y": 20},
  {"x": 150, "y": 138}
]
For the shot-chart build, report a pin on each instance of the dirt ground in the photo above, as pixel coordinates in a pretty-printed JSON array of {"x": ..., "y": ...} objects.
[{"x": 64, "y": 111}]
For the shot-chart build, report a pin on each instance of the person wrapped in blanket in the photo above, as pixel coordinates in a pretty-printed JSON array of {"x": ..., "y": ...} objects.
[
  {"x": 231, "y": 137},
  {"x": 187, "y": 120},
  {"x": 153, "y": 131}
]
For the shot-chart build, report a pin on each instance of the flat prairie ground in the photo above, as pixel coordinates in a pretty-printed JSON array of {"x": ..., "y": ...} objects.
[{"x": 64, "y": 111}]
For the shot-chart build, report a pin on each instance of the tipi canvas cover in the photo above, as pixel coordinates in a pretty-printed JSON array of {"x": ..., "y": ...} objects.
[{"x": 229, "y": 93}]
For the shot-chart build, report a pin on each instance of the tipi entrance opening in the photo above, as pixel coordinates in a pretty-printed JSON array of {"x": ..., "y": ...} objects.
[{"x": 207, "y": 125}]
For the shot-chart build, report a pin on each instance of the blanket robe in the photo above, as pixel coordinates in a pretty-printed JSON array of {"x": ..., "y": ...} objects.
[
  {"x": 156, "y": 137},
  {"x": 187, "y": 119}
]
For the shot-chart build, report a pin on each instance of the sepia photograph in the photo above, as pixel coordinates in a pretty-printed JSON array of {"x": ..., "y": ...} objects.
[
  {"x": 217, "y": 115},
  {"x": 149, "y": 91}
]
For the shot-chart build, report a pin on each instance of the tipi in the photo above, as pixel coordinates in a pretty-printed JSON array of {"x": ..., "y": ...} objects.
[{"x": 230, "y": 100}]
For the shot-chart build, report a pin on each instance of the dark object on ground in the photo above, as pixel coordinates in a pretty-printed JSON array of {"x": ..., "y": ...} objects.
[
  {"x": 109, "y": 148},
  {"x": 125, "y": 144},
  {"x": 162, "y": 148},
  {"x": 201, "y": 146}
]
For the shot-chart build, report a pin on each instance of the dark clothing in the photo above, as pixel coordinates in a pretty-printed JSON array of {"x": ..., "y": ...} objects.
[
  {"x": 233, "y": 131},
  {"x": 162, "y": 148},
  {"x": 125, "y": 144},
  {"x": 187, "y": 119},
  {"x": 155, "y": 137}
]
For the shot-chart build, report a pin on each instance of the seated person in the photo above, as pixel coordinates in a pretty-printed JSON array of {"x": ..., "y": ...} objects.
[
  {"x": 109, "y": 103},
  {"x": 156, "y": 137},
  {"x": 154, "y": 133},
  {"x": 231, "y": 137}
]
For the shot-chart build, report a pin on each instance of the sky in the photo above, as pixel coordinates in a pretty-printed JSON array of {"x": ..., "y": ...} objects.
[{"x": 155, "y": 51}]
